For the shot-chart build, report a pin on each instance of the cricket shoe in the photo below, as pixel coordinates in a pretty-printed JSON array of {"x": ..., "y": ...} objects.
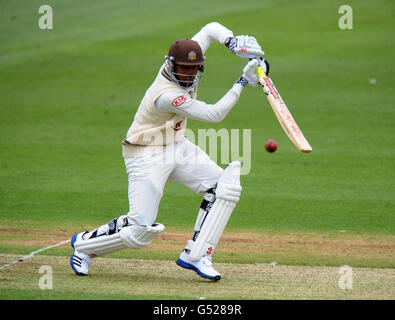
[
  {"x": 79, "y": 261},
  {"x": 203, "y": 267}
]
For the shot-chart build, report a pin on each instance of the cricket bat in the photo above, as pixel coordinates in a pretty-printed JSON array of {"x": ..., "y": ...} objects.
[{"x": 282, "y": 113}]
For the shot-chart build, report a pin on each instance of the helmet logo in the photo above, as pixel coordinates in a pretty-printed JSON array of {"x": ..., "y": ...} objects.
[{"x": 192, "y": 55}]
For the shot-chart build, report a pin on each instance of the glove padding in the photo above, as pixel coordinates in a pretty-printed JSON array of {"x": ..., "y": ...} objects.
[
  {"x": 249, "y": 71},
  {"x": 245, "y": 47}
]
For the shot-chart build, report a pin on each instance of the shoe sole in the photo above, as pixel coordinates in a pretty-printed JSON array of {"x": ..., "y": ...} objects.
[{"x": 188, "y": 266}]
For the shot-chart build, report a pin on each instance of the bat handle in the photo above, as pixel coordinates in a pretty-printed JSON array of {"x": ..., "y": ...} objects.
[
  {"x": 261, "y": 75},
  {"x": 260, "y": 72}
]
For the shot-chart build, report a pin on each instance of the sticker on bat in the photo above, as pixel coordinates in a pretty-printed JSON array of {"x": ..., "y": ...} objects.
[{"x": 271, "y": 87}]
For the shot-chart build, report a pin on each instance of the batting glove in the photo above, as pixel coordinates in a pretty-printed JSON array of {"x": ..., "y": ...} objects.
[
  {"x": 244, "y": 46},
  {"x": 249, "y": 76}
]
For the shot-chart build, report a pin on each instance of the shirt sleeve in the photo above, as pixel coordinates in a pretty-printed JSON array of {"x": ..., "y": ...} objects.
[
  {"x": 184, "y": 105},
  {"x": 213, "y": 31}
]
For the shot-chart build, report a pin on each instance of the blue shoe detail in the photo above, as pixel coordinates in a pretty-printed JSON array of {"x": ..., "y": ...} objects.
[
  {"x": 184, "y": 264},
  {"x": 73, "y": 239},
  {"x": 187, "y": 265}
]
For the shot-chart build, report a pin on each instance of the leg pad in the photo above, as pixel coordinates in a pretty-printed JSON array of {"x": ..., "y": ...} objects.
[
  {"x": 133, "y": 236},
  {"x": 227, "y": 195}
]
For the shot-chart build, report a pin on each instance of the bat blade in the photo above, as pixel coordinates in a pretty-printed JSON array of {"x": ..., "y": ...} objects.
[{"x": 283, "y": 114}]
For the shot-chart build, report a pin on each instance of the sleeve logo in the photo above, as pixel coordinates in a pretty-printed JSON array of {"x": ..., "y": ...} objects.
[{"x": 179, "y": 101}]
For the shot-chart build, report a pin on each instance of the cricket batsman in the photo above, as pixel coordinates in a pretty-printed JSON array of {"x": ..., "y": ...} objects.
[{"x": 155, "y": 150}]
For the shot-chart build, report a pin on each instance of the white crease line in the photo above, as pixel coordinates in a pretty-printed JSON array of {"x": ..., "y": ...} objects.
[{"x": 31, "y": 254}]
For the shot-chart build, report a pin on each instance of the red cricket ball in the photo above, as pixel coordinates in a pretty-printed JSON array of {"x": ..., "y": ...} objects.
[{"x": 271, "y": 146}]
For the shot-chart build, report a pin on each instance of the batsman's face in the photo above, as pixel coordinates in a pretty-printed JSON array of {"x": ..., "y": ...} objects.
[{"x": 186, "y": 74}]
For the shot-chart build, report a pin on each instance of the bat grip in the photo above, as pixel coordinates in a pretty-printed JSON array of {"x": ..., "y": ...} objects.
[{"x": 260, "y": 72}]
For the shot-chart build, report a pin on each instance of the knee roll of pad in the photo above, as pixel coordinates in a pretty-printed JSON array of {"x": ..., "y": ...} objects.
[
  {"x": 137, "y": 237},
  {"x": 228, "y": 192}
]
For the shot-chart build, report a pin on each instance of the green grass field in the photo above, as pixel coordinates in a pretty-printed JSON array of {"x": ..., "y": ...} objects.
[{"x": 68, "y": 97}]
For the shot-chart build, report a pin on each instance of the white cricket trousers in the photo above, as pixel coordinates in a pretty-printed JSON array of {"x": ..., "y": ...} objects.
[{"x": 183, "y": 162}]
